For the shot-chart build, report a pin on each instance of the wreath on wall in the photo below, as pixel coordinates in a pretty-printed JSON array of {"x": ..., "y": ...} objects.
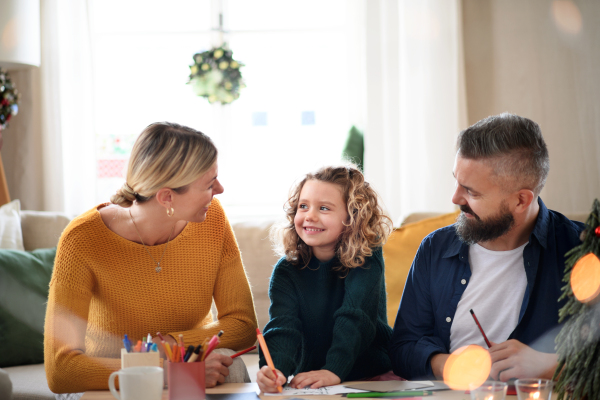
[
  {"x": 9, "y": 99},
  {"x": 216, "y": 75}
]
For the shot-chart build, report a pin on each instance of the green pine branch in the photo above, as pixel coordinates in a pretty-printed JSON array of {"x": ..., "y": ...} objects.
[{"x": 578, "y": 343}]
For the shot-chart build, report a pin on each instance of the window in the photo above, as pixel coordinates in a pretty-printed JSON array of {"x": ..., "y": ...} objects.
[{"x": 292, "y": 117}]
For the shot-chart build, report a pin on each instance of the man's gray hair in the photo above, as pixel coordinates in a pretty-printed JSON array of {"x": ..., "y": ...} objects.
[{"x": 513, "y": 146}]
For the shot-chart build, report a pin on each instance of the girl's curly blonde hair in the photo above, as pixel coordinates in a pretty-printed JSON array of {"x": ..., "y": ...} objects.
[{"x": 367, "y": 226}]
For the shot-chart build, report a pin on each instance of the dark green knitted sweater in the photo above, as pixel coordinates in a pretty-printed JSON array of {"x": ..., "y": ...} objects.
[{"x": 320, "y": 321}]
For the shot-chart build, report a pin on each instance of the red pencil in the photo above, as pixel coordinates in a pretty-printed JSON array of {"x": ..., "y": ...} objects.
[
  {"x": 243, "y": 352},
  {"x": 481, "y": 329}
]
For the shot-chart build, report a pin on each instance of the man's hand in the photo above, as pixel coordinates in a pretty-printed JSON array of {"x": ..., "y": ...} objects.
[
  {"x": 217, "y": 368},
  {"x": 315, "y": 379},
  {"x": 513, "y": 359},
  {"x": 266, "y": 380},
  {"x": 438, "y": 361}
]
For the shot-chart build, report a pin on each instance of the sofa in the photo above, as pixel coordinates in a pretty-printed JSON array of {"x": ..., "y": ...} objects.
[{"x": 43, "y": 229}]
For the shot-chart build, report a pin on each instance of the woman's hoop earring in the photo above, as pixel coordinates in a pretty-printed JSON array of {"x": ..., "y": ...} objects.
[{"x": 170, "y": 211}]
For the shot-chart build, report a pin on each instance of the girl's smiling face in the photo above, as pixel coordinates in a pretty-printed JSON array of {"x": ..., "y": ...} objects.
[{"x": 320, "y": 217}]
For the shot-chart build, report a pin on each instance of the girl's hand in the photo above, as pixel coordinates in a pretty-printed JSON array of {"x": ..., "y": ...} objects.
[
  {"x": 266, "y": 380},
  {"x": 315, "y": 379}
]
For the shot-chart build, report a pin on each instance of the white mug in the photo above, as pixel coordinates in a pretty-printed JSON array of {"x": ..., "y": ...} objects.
[{"x": 138, "y": 383}]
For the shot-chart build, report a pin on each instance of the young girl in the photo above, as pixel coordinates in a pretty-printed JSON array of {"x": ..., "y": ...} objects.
[{"x": 328, "y": 304}]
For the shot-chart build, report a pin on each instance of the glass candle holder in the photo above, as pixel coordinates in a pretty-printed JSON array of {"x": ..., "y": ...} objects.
[
  {"x": 489, "y": 390},
  {"x": 534, "y": 389}
]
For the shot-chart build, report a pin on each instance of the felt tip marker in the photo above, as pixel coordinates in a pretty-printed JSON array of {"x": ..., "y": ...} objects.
[
  {"x": 196, "y": 354},
  {"x": 127, "y": 343}
]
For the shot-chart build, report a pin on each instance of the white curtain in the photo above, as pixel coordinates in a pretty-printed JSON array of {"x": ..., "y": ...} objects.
[
  {"x": 415, "y": 102},
  {"x": 48, "y": 152},
  {"x": 66, "y": 87}
]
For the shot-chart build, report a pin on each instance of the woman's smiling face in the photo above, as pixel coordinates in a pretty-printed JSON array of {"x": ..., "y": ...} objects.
[{"x": 193, "y": 204}]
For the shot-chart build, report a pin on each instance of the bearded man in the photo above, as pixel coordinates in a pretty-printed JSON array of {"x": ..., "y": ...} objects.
[{"x": 504, "y": 258}]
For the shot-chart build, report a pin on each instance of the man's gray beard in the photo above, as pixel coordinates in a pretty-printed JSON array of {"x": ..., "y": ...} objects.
[{"x": 471, "y": 231}]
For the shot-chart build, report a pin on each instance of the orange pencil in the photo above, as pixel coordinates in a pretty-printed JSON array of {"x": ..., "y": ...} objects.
[
  {"x": 175, "y": 353},
  {"x": 263, "y": 346},
  {"x": 181, "y": 347}
]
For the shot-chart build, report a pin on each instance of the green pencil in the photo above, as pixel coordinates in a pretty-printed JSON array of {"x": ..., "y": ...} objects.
[{"x": 405, "y": 393}]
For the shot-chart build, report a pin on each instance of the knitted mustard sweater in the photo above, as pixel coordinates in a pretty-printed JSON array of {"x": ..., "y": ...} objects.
[{"x": 104, "y": 286}]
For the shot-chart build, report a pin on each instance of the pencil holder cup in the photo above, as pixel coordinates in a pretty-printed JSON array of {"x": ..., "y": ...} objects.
[
  {"x": 150, "y": 359},
  {"x": 186, "y": 381}
]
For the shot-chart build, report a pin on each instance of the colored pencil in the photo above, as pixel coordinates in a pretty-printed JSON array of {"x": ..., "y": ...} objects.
[
  {"x": 263, "y": 346},
  {"x": 481, "y": 329},
  {"x": 243, "y": 352},
  {"x": 212, "y": 344}
]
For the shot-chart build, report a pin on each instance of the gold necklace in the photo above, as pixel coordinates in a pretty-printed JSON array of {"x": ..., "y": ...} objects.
[{"x": 158, "y": 267}]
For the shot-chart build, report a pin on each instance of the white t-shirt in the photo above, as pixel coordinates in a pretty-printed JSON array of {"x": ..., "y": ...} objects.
[{"x": 495, "y": 293}]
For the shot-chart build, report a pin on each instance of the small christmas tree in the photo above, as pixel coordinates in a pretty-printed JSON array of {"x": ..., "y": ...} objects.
[{"x": 578, "y": 343}]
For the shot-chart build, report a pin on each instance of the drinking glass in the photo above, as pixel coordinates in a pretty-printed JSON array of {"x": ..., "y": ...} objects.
[{"x": 488, "y": 390}]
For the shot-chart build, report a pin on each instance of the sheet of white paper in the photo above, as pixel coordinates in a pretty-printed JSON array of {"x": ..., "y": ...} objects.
[{"x": 335, "y": 389}]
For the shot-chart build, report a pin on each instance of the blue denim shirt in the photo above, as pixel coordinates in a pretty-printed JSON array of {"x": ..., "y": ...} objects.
[{"x": 433, "y": 289}]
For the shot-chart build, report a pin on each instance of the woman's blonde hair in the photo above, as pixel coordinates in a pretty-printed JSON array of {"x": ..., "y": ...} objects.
[
  {"x": 367, "y": 226},
  {"x": 165, "y": 155}
]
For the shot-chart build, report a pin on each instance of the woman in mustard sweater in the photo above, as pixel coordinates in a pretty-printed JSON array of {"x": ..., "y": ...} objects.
[{"x": 153, "y": 260}]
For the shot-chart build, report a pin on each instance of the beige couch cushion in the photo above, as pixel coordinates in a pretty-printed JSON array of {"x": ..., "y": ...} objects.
[
  {"x": 258, "y": 258},
  {"x": 42, "y": 229}
]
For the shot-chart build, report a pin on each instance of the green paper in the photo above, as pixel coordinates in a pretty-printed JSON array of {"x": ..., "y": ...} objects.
[{"x": 405, "y": 393}]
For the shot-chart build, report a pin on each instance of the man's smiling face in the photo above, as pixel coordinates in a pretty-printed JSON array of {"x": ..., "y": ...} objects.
[{"x": 485, "y": 213}]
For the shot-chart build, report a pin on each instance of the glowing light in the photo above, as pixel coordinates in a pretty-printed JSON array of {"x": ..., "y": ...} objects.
[
  {"x": 469, "y": 365},
  {"x": 567, "y": 16},
  {"x": 536, "y": 395},
  {"x": 585, "y": 278},
  {"x": 9, "y": 35}
]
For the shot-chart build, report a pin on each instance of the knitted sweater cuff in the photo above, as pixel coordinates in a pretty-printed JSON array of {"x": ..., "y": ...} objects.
[{"x": 339, "y": 367}]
